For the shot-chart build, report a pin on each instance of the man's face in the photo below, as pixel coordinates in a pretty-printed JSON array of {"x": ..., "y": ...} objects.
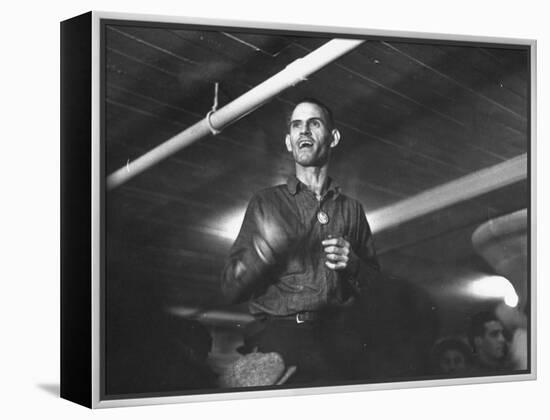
[
  {"x": 493, "y": 343},
  {"x": 310, "y": 138}
]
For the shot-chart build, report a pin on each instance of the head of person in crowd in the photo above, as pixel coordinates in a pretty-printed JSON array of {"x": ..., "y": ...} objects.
[
  {"x": 451, "y": 356},
  {"x": 486, "y": 336}
]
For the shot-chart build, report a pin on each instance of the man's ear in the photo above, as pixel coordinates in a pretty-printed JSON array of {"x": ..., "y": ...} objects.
[
  {"x": 335, "y": 137},
  {"x": 288, "y": 143}
]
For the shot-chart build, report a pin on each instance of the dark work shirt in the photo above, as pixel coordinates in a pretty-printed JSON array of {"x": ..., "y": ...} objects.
[{"x": 299, "y": 280}]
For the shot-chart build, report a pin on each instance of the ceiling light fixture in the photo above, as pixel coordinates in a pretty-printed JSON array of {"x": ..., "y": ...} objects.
[{"x": 498, "y": 287}]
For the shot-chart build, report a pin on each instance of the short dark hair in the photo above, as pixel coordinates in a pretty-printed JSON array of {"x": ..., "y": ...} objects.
[
  {"x": 450, "y": 343},
  {"x": 477, "y": 325},
  {"x": 309, "y": 100}
]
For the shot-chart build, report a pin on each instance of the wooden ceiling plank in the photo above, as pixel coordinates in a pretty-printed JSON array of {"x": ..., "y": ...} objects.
[
  {"x": 516, "y": 82},
  {"x": 418, "y": 81},
  {"x": 487, "y": 74},
  {"x": 251, "y": 43},
  {"x": 126, "y": 32},
  {"x": 140, "y": 53},
  {"x": 405, "y": 149},
  {"x": 113, "y": 51},
  {"x": 401, "y": 95},
  {"x": 113, "y": 88},
  {"x": 509, "y": 81},
  {"x": 461, "y": 104},
  {"x": 400, "y": 48},
  {"x": 463, "y": 99}
]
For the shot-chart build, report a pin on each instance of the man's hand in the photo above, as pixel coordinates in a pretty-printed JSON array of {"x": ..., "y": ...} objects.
[{"x": 339, "y": 253}]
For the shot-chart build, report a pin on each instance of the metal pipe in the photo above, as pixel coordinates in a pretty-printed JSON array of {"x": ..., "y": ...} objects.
[
  {"x": 294, "y": 73},
  {"x": 445, "y": 195}
]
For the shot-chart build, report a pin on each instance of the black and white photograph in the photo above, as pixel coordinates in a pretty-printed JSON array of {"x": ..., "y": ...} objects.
[
  {"x": 296, "y": 209},
  {"x": 275, "y": 210}
]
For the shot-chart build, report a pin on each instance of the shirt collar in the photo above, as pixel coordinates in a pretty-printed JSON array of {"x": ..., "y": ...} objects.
[{"x": 294, "y": 185}]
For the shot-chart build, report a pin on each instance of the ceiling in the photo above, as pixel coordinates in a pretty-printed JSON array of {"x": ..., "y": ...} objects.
[{"x": 414, "y": 115}]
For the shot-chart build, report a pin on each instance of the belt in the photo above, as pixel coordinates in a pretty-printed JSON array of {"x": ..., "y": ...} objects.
[
  {"x": 299, "y": 317},
  {"x": 307, "y": 316}
]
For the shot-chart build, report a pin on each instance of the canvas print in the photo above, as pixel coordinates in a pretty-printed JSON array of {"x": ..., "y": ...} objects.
[{"x": 292, "y": 209}]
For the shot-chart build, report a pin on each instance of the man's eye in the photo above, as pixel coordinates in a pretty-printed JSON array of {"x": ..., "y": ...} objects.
[{"x": 315, "y": 123}]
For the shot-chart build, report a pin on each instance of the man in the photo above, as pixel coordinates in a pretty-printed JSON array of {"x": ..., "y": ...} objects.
[
  {"x": 488, "y": 342},
  {"x": 303, "y": 254}
]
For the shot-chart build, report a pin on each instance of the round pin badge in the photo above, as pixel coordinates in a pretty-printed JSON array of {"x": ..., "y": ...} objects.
[{"x": 322, "y": 217}]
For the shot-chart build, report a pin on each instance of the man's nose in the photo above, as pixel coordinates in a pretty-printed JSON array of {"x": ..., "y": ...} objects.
[{"x": 305, "y": 128}]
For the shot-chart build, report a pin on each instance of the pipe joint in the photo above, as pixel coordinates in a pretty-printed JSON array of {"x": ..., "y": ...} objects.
[{"x": 212, "y": 129}]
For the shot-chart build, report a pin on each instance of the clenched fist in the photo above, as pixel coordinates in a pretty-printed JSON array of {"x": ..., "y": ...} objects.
[{"x": 338, "y": 253}]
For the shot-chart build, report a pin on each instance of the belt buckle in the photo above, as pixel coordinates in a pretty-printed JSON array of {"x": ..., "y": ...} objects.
[{"x": 299, "y": 319}]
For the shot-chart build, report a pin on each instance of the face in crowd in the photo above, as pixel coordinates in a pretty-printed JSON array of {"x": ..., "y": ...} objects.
[
  {"x": 492, "y": 344},
  {"x": 452, "y": 361}
]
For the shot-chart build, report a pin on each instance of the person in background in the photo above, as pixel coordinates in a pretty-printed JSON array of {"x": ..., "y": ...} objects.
[
  {"x": 515, "y": 321},
  {"x": 486, "y": 336},
  {"x": 451, "y": 356}
]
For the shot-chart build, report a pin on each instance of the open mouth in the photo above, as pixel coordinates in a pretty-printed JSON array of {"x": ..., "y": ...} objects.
[{"x": 305, "y": 143}]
